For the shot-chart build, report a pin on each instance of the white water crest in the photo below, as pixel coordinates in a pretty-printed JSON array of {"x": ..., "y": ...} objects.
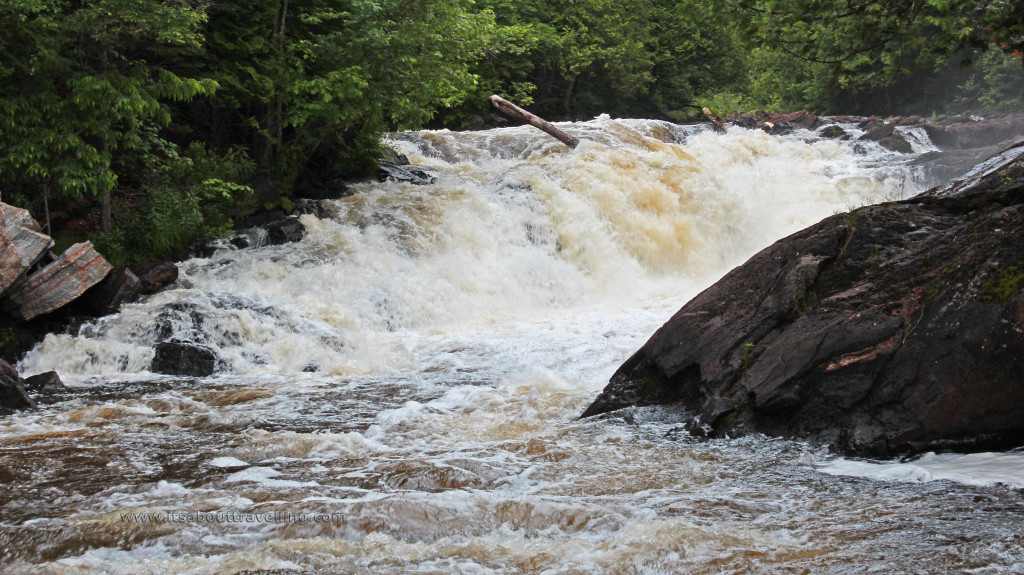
[
  {"x": 508, "y": 233},
  {"x": 399, "y": 391},
  {"x": 971, "y": 468}
]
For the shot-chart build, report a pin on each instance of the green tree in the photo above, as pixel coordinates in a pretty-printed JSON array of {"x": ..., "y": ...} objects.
[
  {"x": 311, "y": 87},
  {"x": 82, "y": 82},
  {"x": 873, "y": 41},
  {"x": 576, "y": 58}
]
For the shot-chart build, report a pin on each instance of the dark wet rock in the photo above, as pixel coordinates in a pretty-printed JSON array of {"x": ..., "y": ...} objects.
[
  {"x": 965, "y": 132},
  {"x": 184, "y": 358},
  {"x": 886, "y": 136},
  {"x": 777, "y": 129},
  {"x": 276, "y": 230},
  {"x": 206, "y": 247},
  {"x": 310, "y": 206},
  {"x": 893, "y": 329},
  {"x": 745, "y": 121},
  {"x": 47, "y": 382},
  {"x": 410, "y": 174},
  {"x": 877, "y": 132},
  {"x": 13, "y": 395},
  {"x": 261, "y": 219},
  {"x": 942, "y": 166},
  {"x": 870, "y": 123},
  {"x": 241, "y": 241},
  {"x": 801, "y": 119},
  {"x": 311, "y": 367},
  {"x": 329, "y": 190},
  {"x": 285, "y": 231},
  {"x": 120, "y": 286},
  {"x": 391, "y": 156},
  {"x": 896, "y": 143},
  {"x": 156, "y": 276},
  {"x": 834, "y": 132},
  {"x": 775, "y": 124}
]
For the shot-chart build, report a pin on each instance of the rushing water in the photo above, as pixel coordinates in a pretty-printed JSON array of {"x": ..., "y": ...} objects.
[{"x": 400, "y": 389}]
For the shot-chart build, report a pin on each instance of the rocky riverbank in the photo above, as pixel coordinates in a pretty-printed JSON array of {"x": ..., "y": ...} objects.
[{"x": 894, "y": 328}]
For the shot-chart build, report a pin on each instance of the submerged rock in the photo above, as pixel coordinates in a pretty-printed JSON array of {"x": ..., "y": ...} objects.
[
  {"x": 285, "y": 231},
  {"x": 184, "y": 358},
  {"x": 895, "y": 328},
  {"x": 411, "y": 174},
  {"x": 156, "y": 276},
  {"x": 834, "y": 132}
]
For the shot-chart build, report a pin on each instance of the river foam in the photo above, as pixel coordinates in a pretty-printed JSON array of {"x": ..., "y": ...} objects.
[{"x": 412, "y": 371}]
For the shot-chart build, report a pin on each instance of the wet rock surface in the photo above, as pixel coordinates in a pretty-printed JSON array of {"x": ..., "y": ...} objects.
[
  {"x": 156, "y": 276},
  {"x": 47, "y": 382},
  {"x": 895, "y": 328},
  {"x": 285, "y": 231},
  {"x": 962, "y": 140},
  {"x": 13, "y": 395},
  {"x": 184, "y": 358}
]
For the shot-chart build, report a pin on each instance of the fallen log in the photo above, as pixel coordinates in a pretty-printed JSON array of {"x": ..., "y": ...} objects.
[
  {"x": 715, "y": 121},
  {"x": 59, "y": 283},
  {"x": 517, "y": 113},
  {"x": 22, "y": 245}
]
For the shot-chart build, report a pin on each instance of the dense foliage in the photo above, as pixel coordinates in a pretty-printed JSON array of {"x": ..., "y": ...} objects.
[{"x": 175, "y": 116}]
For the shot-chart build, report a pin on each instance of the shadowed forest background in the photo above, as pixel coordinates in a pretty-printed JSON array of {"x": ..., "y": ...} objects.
[{"x": 169, "y": 119}]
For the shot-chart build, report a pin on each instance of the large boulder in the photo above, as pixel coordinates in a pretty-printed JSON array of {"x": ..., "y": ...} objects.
[
  {"x": 892, "y": 329},
  {"x": 59, "y": 283},
  {"x": 184, "y": 358}
]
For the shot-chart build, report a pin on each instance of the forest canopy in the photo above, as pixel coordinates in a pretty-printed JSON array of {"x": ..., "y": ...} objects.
[{"x": 177, "y": 115}]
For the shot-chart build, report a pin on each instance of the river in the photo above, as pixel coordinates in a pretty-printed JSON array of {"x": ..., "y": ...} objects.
[{"x": 399, "y": 391}]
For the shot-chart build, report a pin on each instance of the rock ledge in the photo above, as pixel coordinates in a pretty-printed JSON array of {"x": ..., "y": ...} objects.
[{"x": 895, "y": 328}]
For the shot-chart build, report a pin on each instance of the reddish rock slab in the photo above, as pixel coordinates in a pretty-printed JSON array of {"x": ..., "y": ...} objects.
[
  {"x": 21, "y": 245},
  {"x": 59, "y": 283}
]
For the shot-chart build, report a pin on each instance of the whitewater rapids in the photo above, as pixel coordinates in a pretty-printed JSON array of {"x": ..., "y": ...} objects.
[{"x": 400, "y": 389}]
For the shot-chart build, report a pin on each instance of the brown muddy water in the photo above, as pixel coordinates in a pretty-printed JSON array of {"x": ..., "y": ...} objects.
[{"x": 456, "y": 332}]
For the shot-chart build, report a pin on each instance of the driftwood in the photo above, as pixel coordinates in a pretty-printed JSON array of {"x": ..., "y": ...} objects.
[
  {"x": 21, "y": 245},
  {"x": 715, "y": 121},
  {"x": 517, "y": 113},
  {"x": 59, "y": 283}
]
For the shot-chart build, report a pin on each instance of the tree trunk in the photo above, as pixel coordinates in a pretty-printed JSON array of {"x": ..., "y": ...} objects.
[
  {"x": 517, "y": 113},
  {"x": 567, "y": 97},
  {"x": 105, "y": 207}
]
